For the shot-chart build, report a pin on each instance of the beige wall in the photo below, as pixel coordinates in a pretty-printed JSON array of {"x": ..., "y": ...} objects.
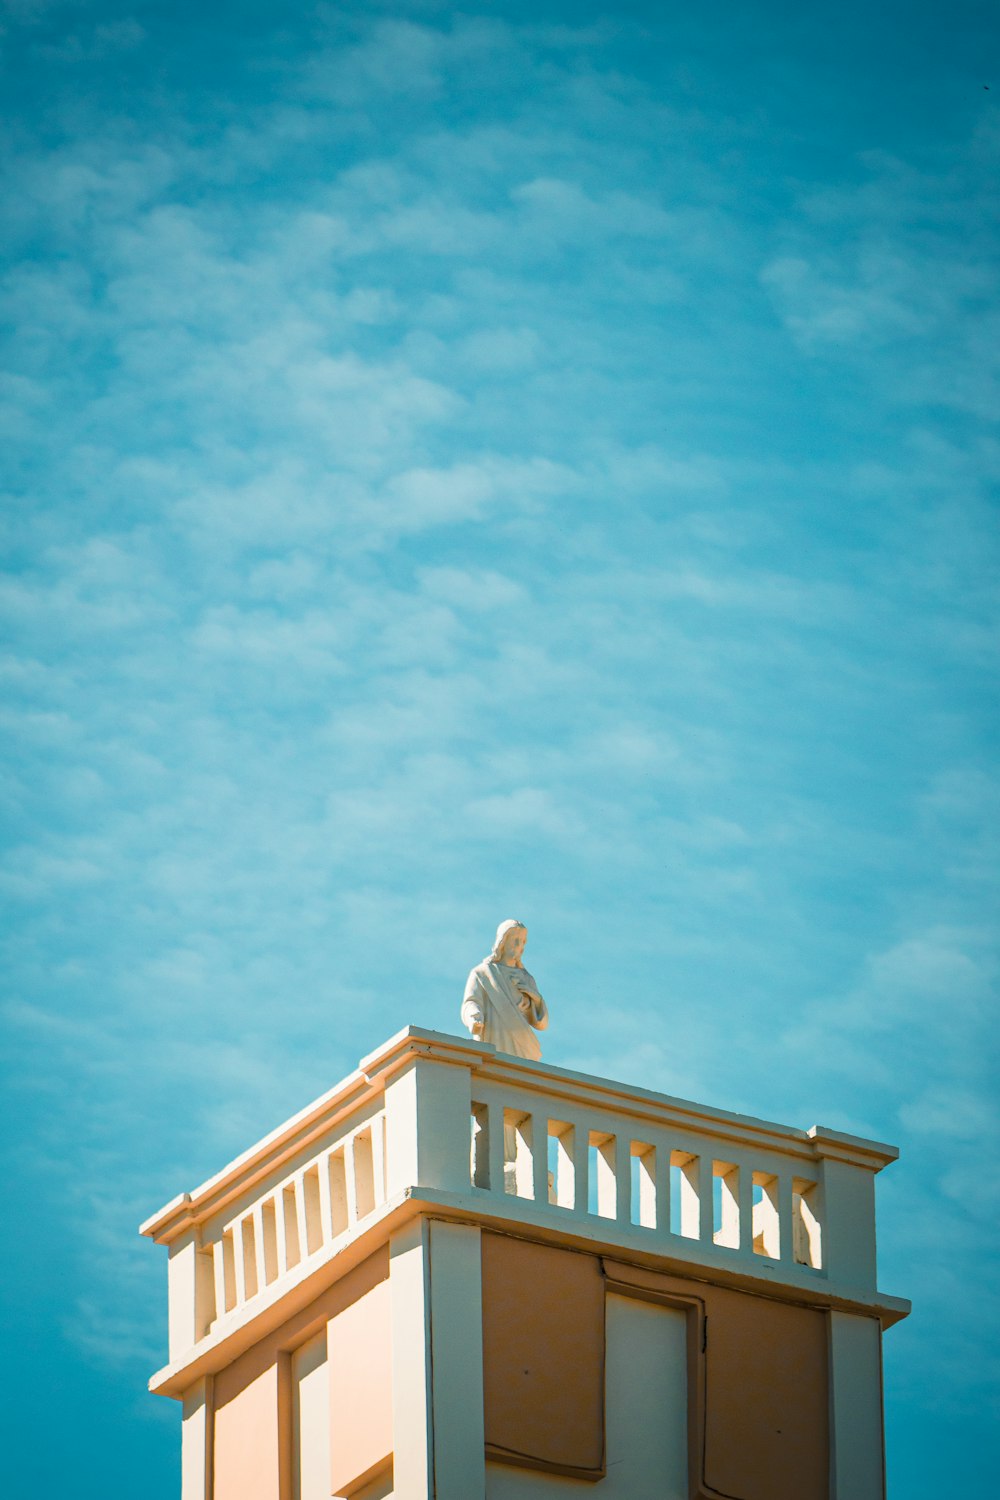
[
  {"x": 273, "y": 1435},
  {"x": 856, "y": 1408},
  {"x": 755, "y": 1395},
  {"x": 592, "y": 1370},
  {"x": 758, "y": 1383},
  {"x": 311, "y": 1420},
  {"x": 247, "y": 1436},
  {"x": 647, "y": 1457},
  {"x": 767, "y": 1398},
  {"x": 543, "y": 1355},
  {"x": 359, "y": 1363}
]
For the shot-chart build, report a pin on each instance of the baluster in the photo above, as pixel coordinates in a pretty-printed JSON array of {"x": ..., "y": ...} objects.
[
  {"x": 219, "y": 1273},
  {"x": 315, "y": 1235},
  {"x": 270, "y": 1216},
  {"x": 350, "y": 1183},
  {"x": 378, "y": 1158},
  {"x": 325, "y": 1204},
  {"x": 581, "y": 1168},
  {"x": 744, "y": 1207},
  {"x": 605, "y": 1161},
  {"x": 540, "y": 1157},
  {"x": 706, "y": 1201},
  {"x": 786, "y": 1227},
  {"x": 258, "y": 1245},
  {"x": 649, "y": 1205},
  {"x": 519, "y": 1134},
  {"x": 496, "y": 1147},
  {"x": 767, "y": 1217},
  {"x": 239, "y": 1264},
  {"x": 728, "y": 1232},
  {"x": 301, "y": 1215},
  {"x": 337, "y": 1177},
  {"x": 623, "y": 1180},
  {"x": 289, "y": 1252},
  {"x": 565, "y": 1186}
]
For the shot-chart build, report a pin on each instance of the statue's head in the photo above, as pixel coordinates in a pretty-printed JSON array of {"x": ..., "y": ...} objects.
[{"x": 506, "y": 940}]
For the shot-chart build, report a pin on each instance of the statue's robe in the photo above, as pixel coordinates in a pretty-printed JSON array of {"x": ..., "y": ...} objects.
[{"x": 494, "y": 996}]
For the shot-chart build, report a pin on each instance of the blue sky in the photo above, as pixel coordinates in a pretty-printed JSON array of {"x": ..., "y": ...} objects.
[{"x": 529, "y": 460}]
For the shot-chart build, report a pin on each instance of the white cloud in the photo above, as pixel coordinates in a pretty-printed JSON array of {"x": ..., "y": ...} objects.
[
  {"x": 872, "y": 307},
  {"x": 953, "y": 1113},
  {"x": 898, "y": 267},
  {"x": 107, "y": 39},
  {"x": 525, "y": 810},
  {"x": 500, "y": 350},
  {"x": 476, "y": 590}
]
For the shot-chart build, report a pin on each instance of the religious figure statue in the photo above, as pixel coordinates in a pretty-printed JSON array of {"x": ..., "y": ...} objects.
[{"x": 502, "y": 1004}]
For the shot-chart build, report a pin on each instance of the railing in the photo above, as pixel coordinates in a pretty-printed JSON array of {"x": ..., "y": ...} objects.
[
  {"x": 436, "y": 1120},
  {"x": 671, "y": 1182},
  {"x": 304, "y": 1215}
]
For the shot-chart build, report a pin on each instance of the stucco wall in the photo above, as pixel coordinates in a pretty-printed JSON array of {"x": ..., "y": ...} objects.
[
  {"x": 359, "y": 1347},
  {"x": 543, "y": 1354},
  {"x": 753, "y": 1400},
  {"x": 247, "y": 1433},
  {"x": 646, "y": 1422},
  {"x": 273, "y": 1434},
  {"x": 311, "y": 1421},
  {"x": 593, "y": 1371}
]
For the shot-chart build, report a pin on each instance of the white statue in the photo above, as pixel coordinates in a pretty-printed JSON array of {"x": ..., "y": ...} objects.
[{"x": 502, "y": 1004}]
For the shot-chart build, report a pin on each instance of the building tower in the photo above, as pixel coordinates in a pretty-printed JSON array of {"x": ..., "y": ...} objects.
[{"x": 463, "y": 1276}]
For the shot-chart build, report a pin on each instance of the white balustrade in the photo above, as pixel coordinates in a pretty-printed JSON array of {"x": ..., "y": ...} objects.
[
  {"x": 643, "y": 1177},
  {"x": 301, "y": 1216},
  {"x": 432, "y": 1123}
]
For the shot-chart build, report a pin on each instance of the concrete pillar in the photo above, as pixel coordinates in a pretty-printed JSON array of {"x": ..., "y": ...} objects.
[
  {"x": 190, "y": 1292},
  {"x": 857, "y": 1455},
  {"x": 428, "y": 1126},
  {"x": 848, "y": 1223},
  {"x": 196, "y": 1441},
  {"x": 409, "y": 1288},
  {"x": 435, "y": 1273},
  {"x": 457, "y": 1356}
]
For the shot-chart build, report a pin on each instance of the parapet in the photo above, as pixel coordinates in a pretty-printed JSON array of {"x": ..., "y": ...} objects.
[{"x": 440, "y": 1126}]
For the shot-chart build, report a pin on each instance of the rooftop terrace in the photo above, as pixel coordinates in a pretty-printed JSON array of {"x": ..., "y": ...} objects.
[{"x": 441, "y": 1125}]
